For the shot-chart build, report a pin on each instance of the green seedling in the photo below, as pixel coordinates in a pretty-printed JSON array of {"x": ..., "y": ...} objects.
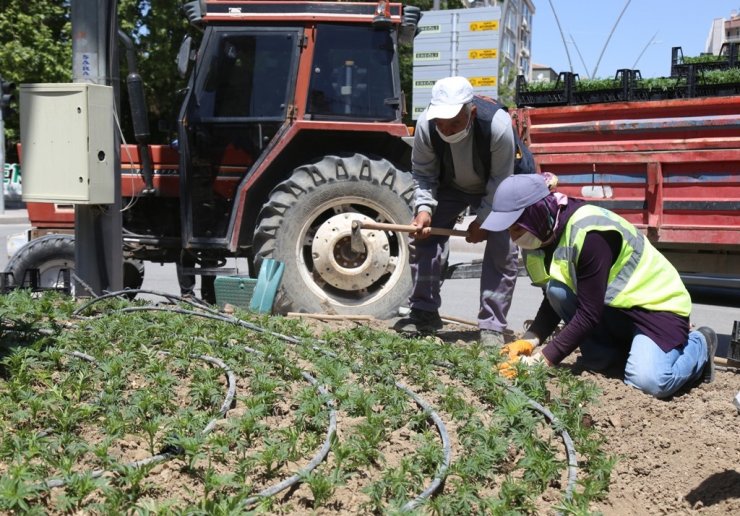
[
  {"x": 322, "y": 487},
  {"x": 134, "y": 391}
]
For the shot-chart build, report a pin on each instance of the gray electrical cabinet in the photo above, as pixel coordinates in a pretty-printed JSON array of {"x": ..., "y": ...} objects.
[
  {"x": 67, "y": 143},
  {"x": 456, "y": 42}
]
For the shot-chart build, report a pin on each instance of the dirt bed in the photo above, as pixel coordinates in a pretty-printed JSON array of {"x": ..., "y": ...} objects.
[
  {"x": 671, "y": 457},
  {"x": 676, "y": 456}
]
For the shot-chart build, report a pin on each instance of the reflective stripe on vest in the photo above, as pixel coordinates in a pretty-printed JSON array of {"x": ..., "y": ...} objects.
[
  {"x": 534, "y": 262},
  {"x": 641, "y": 276}
]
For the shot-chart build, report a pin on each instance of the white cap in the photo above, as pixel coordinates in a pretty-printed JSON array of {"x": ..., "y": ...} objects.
[{"x": 449, "y": 95}]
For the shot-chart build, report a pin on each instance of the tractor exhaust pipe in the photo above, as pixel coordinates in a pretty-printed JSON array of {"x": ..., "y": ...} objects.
[{"x": 139, "y": 117}]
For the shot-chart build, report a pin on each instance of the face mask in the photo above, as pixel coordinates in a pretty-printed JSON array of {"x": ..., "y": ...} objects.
[
  {"x": 457, "y": 137},
  {"x": 528, "y": 241}
]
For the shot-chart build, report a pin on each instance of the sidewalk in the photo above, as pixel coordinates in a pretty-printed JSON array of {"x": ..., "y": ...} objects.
[{"x": 15, "y": 216}]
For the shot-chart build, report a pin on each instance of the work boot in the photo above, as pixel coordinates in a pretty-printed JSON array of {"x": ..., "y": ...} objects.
[
  {"x": 419, "y": 321},
  {"x": 710, "y": 337},
  {"x": 491, "y": 339}
]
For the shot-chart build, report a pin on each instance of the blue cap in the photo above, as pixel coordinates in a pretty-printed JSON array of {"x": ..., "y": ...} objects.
[{"x": 513, "y": 195}]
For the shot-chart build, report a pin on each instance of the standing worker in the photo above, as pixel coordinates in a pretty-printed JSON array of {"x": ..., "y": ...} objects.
[
  {"x": 464, "y": 146},
  {"x": 622, "y": 301}
]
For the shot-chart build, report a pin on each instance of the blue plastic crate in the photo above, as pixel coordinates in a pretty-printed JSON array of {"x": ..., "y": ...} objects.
[{"x": 234, "y": 290}]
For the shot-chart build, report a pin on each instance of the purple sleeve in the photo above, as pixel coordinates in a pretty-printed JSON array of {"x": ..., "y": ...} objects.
[{"x": 592, "y": 275}]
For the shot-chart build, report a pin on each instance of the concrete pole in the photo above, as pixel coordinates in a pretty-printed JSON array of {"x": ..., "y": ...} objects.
[
  {"x": 98, "y": 233},
  {"x": 2, "y": 161}
]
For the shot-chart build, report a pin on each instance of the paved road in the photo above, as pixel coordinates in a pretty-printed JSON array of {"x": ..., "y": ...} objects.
[{"x": 713, "y": 307}]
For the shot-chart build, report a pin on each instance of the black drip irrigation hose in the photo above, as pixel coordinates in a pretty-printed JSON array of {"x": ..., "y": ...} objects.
[
  {"x": 441, "y": 473},
  {"x": 567, "y": 441},
  {"x": 163, "y": 456},
  {"x": 332, "y": 427},
  {"x": 446, "y": 447},
  {"x": 559, "y": 428},
  {"x": 210, "y": 313},
  {"x": 315, "y": 461}
]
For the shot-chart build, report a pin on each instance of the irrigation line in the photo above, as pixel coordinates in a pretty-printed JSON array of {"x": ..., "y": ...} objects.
[
  {"x": 230, "y": 393},
  {"x": 209, "y": 313},
  {"x": 570, "y": 449},
  {"x": 206, "y": 312},
  {"x": 567, "y": 441},
  {"x": 441, "y": 473},
  {"x": 160, "y": 457},
  {"x": 315, "y": 461},
  {"x": 446, "y": 447}
]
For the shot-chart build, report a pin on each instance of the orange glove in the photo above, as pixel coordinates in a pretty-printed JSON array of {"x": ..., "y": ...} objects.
[
  {"x": 521, "y": 347},
  {"x": 508, "y": 369}
]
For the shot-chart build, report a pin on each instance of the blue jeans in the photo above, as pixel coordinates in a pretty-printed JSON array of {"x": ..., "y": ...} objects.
[
  {"x": 615, "y": 341},
  {"x": 498, "y": 271}
]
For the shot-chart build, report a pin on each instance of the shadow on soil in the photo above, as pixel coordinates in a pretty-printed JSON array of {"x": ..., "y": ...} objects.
[{"x": 715, "y": 488}]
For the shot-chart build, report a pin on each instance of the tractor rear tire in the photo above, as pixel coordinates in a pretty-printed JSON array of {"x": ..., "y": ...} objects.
[{"x": 306, "y": 224}]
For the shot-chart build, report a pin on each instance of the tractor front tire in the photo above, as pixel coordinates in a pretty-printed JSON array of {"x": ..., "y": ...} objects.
[
  {"x": 51, "y": 254},
  {"x": 306, "y": 224}
]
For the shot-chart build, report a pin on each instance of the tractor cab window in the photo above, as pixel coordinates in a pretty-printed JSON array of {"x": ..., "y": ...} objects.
[
  {"x": 248, "y": 76},
  {"x": 352, "y": 74},
  {"x": 239, "y": 101}
]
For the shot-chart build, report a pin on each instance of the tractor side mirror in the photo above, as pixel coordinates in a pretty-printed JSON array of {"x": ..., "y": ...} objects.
[{"x": 183, "y": 56}]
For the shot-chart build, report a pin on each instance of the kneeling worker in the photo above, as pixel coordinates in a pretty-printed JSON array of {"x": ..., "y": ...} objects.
[{"x": 621, "y": 300}]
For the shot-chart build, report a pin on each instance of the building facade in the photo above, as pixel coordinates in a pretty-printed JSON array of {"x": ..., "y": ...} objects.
[
  {"x": 723, "y": 30},
  {"x": 516, "y": 38},
  {"x": 516, "y": 35}
]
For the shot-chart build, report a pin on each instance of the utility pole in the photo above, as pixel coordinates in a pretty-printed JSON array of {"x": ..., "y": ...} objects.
[
  {"x": 98, "y": 233},
  {"x": 5, "y": 98}
]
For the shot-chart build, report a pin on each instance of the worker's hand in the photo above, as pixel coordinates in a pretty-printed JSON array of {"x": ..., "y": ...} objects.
[
  {"x": 423, "y": 221},
  {"x": 509, "y": 370},
  {"x": 475, "y": 233},
  {"x": 521, "y": 347},
  {"x": 551, "y": 180}
]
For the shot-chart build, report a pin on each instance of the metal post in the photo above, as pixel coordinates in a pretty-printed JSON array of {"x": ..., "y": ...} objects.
[
  {"x": 2, "y": 161},
  {"x": 98, "y": 233}
]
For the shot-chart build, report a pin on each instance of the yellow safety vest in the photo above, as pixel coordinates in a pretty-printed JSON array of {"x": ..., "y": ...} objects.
[{"x": 640, "y": 277}]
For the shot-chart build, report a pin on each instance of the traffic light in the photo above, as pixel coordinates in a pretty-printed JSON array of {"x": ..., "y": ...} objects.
[{"x": 6, "y": 96}]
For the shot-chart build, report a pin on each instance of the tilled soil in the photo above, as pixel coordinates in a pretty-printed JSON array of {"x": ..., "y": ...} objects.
[{"x": 675, "y": 456}]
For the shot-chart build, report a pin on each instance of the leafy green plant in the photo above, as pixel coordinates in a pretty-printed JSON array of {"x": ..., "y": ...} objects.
[
  {"x": 704, "y": 58},
  {"x": 322, "y": 487},
  {"x": 133, "y": 394},
  {"x": 15, "y": 493}
]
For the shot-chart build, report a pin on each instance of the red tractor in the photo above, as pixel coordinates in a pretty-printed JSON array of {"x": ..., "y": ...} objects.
[{"x": 291, "y": 127}]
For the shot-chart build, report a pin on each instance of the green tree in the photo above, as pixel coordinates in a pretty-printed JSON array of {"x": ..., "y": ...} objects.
[
  {"x": 507, "y": 86},
  {"x": 35, "y": 46},
  {"x": 157, "y": 28}
]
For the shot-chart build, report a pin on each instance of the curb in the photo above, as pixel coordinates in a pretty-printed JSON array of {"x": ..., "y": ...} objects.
[{"x": 13, "y": 220}]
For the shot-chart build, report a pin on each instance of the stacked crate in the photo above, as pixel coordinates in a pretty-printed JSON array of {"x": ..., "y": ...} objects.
[{"x": 462, "y": 42}]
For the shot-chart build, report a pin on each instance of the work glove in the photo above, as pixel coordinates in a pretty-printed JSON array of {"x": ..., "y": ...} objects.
[
  {"x": 519, "y": 349},
  {"x": 508, "y": 369}
]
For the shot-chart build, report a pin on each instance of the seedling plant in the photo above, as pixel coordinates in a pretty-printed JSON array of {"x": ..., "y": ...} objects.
[{"x": 119, "y": 411}]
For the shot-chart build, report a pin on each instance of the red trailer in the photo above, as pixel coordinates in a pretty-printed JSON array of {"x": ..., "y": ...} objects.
[{"x": 671, "y": 167}]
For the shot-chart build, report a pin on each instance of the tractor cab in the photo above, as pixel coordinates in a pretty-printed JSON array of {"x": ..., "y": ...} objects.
[{"x": 261, "y": 67}]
